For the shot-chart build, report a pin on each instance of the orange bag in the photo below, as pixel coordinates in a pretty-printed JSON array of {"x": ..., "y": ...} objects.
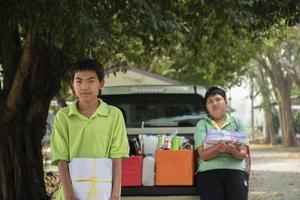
[{"x": 175, "y": 167}]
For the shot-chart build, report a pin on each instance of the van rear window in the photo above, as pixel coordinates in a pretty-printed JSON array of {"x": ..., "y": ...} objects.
[{"x": 158, "y": 110}]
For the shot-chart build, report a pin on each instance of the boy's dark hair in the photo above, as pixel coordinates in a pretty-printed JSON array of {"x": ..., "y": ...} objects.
[
  {"x": 88, "y": 64},
  {"x": 213, "y": 91}
]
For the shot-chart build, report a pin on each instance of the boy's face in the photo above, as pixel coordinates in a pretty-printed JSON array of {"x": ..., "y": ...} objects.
[
  {"x": 216, "y": 106},
  {"x": 86, "y": 85}
]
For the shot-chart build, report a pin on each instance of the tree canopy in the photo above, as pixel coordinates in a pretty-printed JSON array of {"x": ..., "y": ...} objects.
[{"x": 218, "y": 39}]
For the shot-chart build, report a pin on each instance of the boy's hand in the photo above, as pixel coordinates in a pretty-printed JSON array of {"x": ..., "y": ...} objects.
[
  {"x": 230, "y": 147},
  {"x": 71, "y": 196},
  {"x": 236, "y": 149},
  {"x": 225, "y": 147},
  {"x": 219, "y": 146},
  {"x": 115, "y": 197},
  {"x": 235, "y": 145}
]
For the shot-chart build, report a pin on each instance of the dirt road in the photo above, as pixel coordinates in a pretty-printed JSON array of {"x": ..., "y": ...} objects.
[{"x": 275, "y": 173}]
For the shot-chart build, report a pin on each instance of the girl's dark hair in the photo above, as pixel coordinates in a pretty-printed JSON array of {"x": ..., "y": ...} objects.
[
  {"x": 213, "y": 91},
  {"x": 88, "y": 64}
]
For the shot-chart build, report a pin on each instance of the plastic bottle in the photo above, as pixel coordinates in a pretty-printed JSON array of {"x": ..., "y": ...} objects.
[
  {"x": 150, "y": 144},
  {"x": 175, "y": 143},
  {"x": 148, "y": 170},
  {"x": 141, "y": 139},
  {"x": 160, "y": 141}
]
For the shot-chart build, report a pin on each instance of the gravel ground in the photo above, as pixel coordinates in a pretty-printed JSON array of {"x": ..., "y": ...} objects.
[{"x": 275, "y": 173}]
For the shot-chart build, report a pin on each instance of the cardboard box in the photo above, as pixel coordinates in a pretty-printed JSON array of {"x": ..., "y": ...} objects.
[
  {"x": 175, "y": 167},
  {"x": 132, "y": 171}
]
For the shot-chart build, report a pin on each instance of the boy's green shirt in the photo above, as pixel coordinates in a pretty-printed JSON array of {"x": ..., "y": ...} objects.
[{"x": 223, "y": 160}]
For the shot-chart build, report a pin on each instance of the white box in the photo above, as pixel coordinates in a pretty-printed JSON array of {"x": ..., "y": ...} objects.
[{"x": 91, "y": 178}]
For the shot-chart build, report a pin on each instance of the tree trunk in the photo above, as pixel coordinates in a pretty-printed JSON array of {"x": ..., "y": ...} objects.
[
  {"x": 22, "y": 128},
  {"x": 283, "y": 83},
  {"x": 263, "y": 84},
  {"x": 270, "y": 132},
  {"x": 10, "y": 51},
  {"x": 21, "y": 167},
  {"x": 286, "y": 120}
]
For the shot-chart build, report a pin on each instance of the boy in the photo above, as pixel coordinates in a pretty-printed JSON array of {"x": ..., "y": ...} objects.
[
  {"x": 88, "y": 128},
  {"x": 221, "y": 167}
]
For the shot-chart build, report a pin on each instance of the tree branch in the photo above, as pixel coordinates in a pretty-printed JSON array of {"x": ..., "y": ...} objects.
[{"x": 22, "y": 70}]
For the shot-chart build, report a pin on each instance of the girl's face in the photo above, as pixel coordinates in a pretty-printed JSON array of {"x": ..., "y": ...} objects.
[
  {"x": 216, "y": 106},
  {"x": 86, "y": 85}
]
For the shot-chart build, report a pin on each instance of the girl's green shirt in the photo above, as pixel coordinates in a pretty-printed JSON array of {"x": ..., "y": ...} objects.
[{"x": 223, "y": 160}]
